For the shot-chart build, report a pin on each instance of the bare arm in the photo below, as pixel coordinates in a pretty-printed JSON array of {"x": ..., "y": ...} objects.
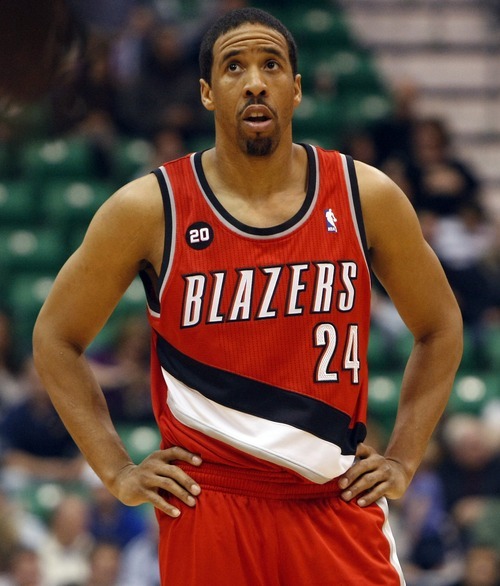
[
  {"x": 415, "y": 281},
  {"x": 125, "y": 233}
]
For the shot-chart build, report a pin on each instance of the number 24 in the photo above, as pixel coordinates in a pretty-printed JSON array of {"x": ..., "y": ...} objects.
[{"x": 325, "y": 335}]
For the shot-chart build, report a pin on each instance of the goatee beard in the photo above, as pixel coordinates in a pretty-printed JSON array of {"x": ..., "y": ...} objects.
[{"x": 260, "y": 147}]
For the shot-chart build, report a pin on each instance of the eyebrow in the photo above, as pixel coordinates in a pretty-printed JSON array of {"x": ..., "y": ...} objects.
[{"x": 236, "y": 52}]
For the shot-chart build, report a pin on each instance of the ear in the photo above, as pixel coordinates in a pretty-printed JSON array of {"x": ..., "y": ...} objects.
[
  {"x": 206, "y": 95},
  {"x": 297, "y": 90}
]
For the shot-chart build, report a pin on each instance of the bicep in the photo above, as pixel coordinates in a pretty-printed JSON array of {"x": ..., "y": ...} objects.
[
  {"x": 95, "y": 277},
  {"x": 405, "y": 264}
]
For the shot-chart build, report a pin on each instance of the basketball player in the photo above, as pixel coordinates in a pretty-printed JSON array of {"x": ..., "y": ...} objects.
[{"x": 256, "y": 258}]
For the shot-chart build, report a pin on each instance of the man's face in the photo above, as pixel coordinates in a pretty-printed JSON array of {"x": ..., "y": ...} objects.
[{"x": 253, "y": 91}]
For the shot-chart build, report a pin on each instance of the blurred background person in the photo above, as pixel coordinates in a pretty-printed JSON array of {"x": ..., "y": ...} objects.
[
  {"x": 34, "y": 444},
  {"x": 65, "y": 553}
]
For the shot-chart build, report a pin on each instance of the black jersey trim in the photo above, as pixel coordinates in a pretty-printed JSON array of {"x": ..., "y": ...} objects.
[
  {"x": 272, "y": 230},
  {"x": 152, "y": 291},
  {"x": 262, "y": 400},
  {"x": 357, "y": 205}
]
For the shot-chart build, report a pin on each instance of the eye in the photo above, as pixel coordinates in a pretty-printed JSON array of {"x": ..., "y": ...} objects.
[
  {"x": 272, "y": 64},
  {"x": 233, "y": 66}
]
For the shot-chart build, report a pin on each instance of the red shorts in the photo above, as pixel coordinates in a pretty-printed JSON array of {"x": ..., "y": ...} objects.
[{"x": 260, "y": 531}]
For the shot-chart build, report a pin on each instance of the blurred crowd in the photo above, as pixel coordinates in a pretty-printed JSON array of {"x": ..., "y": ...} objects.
[
  {"x": 58, "y": 525},
  {"x": 418, "y": 153}
]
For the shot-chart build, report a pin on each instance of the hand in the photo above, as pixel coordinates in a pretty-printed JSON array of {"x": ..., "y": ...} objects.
[
  {"x": 145, "y": 482},
  {"x": 371, "y": 477}
]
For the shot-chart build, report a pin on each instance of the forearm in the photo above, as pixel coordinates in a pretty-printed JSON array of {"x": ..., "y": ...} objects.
[
  {"x": 425, "y": 390},
  {"x": 82, "y": 407}
]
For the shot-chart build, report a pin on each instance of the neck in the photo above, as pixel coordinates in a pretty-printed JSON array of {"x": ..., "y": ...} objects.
[
  {"x": 258, "y": 191},
  {"x": 255, "y": 176}
]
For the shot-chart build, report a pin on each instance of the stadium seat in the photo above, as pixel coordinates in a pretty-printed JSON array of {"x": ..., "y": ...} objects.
[
  {"x": 71, "y": 204},
  {"x": 25, "y": 297},
  {"x": 30, "y": 249},
  {"x": 319, "y": 27},
  {"x": 140, "y": 440},
  {"x": 383, "y": 398},
  {"x": 8, "y": 162},
  {"x": 472, "y": 391},
  {"x": 17, "y": 203},
  {"x": 130, "y": 157},
  {"x": 317, "y": 114},
  {"x": 58, "y": 158},
  {"x": 133, "y": 300}
]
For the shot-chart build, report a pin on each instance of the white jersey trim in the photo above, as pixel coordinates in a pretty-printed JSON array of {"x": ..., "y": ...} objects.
[
  {"x": 387, "y": 531},
  {"x": 313, "y": 458},
  {"x": 171, "y": 239},
  {"x": 236, "y": 230},
  {"x": 353, "y": 209}
]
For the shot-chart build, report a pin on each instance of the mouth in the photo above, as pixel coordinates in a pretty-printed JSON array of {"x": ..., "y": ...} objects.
[{"x": 257, "y": 118}]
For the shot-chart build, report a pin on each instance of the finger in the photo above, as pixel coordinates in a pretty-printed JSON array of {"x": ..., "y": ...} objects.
[
  {"x": 159, "y": 463},
  {"x": 180, "y": 485},
  {"x": 373, "y": 495},
  {"x": 163, "y": 504},
  {"x": 156, "y": 488},
  {"x": 364, "y": 451},
  {"x": 368, "y": 475},
  {"x": 178, "y": 453},
  {"x": 361, "y": 466}
]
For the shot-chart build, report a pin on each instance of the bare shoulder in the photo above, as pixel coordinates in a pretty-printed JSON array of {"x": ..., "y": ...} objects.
[
  {"x": 375, "y": 187},
  {"x": 138, "y": 199},
  {"x": 130, "y": 221},
  {"x": 386, "y": 208}
]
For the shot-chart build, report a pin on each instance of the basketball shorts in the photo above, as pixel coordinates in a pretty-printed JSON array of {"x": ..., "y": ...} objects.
[{"x": 257, "y": 530}]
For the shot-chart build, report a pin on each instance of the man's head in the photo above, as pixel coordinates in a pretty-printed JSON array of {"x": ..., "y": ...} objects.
[
  {"x": 233, "y": 20},
  {"x": 248, "y": 61}
]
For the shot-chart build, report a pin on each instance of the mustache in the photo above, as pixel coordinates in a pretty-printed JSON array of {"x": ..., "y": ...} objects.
[{"x": 256, "y": 101}]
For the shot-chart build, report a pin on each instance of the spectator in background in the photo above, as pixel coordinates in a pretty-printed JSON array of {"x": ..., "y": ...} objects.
[
  {"x": 40, "y": 42},
  {"x": 24, "y": 569},
  {"x": 392, "y": 136},
  {"x": 127, "y": 51},
  {"x": 432, "y": 553},
  {"x": 446, "y": 194},
  {"x": 94, "y": 91},
  {"x": 105, "y": 561},
  {"x": 111, "y": 521},
  {"x": 167, "y": 90},
  {"x": 19, "y": 529},
  {"x": 469, "y": 470},
  {"x": 35, "y": 445},
  {"x": 482, "y": 567},
  {"x": 168, "y": 144},
  {"x": 65, "y": 553},
  {"x": 140, "y": 557},
  {"x": 10, "y": 386},
  {"x": 123, "y": 372},
  {"x": 463, "y": 242},
  {"x": 442, "y": 183}
]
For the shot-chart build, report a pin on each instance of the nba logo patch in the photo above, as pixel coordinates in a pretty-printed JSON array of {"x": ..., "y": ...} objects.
[{"x": 331, "y": 221}]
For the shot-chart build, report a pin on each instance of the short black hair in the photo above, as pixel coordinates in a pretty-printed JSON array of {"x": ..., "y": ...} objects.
[{"x": 234, "y": 19}]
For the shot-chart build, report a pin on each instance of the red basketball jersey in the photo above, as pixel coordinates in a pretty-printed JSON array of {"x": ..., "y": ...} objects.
[{"x": 260, "y": 335}]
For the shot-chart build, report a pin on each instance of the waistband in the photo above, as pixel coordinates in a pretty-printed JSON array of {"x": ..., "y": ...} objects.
[{"x": 256, "y": 483}]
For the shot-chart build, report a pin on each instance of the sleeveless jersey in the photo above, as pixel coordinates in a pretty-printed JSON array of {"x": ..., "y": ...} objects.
[{"x": 260, "y": 335}]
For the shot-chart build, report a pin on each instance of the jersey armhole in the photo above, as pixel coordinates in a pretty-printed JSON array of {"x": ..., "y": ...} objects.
[
  {"x": 153, "y": 293},
  {"x": 356, "y": 201}
]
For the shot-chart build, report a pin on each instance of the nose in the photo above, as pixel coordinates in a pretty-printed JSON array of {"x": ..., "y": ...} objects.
[{"x": 255, "y": 84}]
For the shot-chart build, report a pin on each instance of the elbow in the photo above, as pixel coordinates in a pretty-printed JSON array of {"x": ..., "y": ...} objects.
[
  {"x": 443, "y": 337},
  {"x": 451, "y": 336},
  {"x": 48, "y": 344},
  {"x": 40, "y": 344}
]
